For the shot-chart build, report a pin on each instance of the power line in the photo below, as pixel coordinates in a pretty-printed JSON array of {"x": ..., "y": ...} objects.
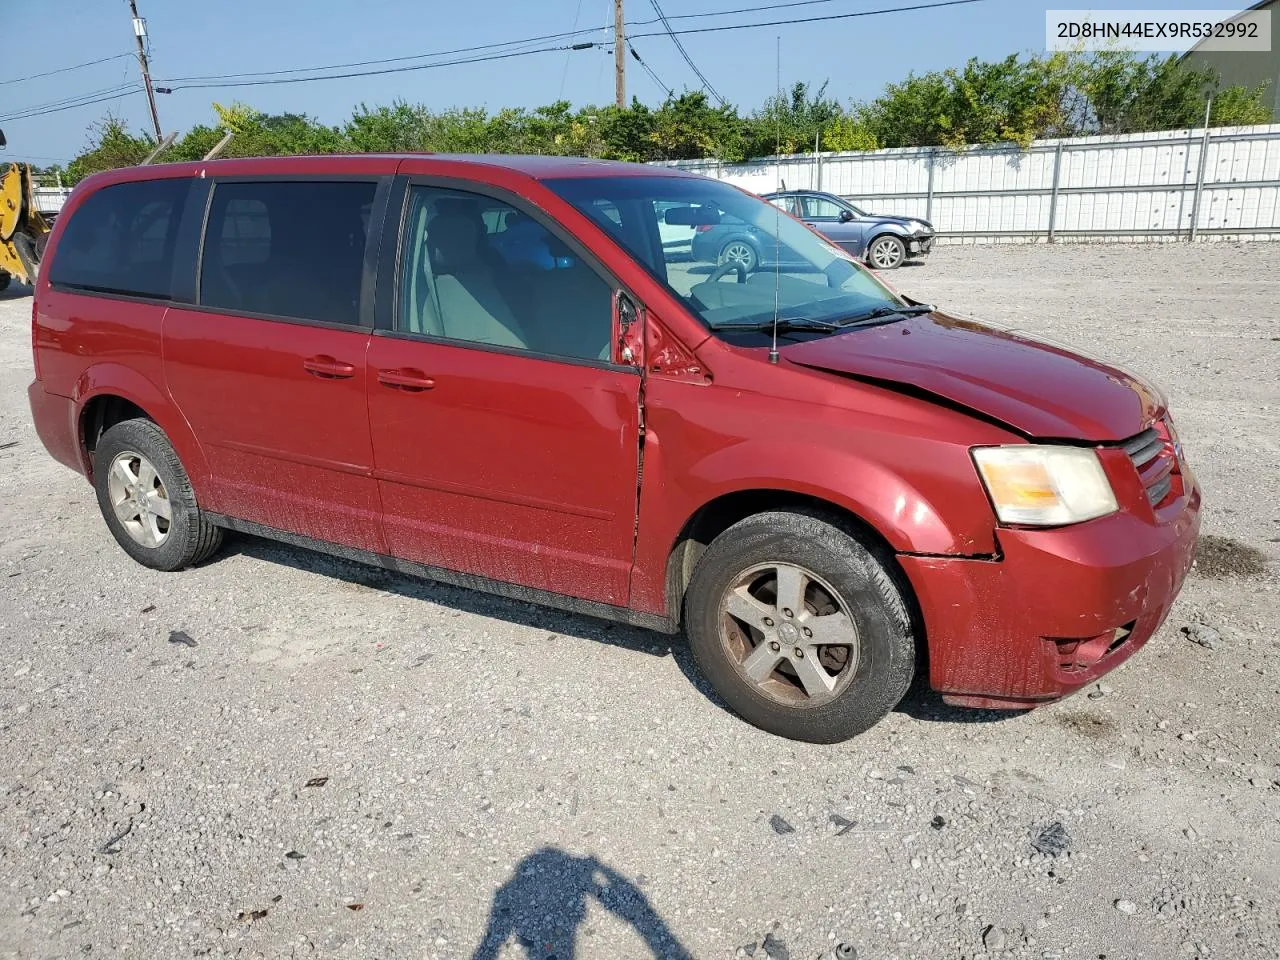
[
  {"x": 118, "y": 95},
  {"x": 828, "y": 17},
  {"x": 61, "y": 101},
  {"x": 374, "y": 73},
  {"x": 649, "y": 70},
  {"x": 267, "y": 78},
  {"x": 564, "y": 74},
  {"x": 544, "y": 38},
  {"x": 706, "y": 84},
  {"x": 78, "y": 66}
]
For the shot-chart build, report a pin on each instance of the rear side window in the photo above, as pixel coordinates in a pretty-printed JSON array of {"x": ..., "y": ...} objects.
[
  {"x": 121, "y": 240},
  {"x": 287, "y": 249}
]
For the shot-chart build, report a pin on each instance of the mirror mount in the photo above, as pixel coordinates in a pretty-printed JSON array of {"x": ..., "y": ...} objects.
[
  {"x": 846, "y": 216},
  {"x": 628, "y": 321}
]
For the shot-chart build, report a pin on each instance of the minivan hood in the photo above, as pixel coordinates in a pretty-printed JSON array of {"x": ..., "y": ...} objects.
[{"x": 1038, "y": 389}]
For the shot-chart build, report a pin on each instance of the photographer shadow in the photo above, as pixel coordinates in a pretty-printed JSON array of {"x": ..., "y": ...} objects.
[{"x": 545, "y": 902}]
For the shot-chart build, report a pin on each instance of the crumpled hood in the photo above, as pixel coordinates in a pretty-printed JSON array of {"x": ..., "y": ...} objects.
[
  {"x": 908, "y": 222},
  {"x": 1037, "y": 388}
]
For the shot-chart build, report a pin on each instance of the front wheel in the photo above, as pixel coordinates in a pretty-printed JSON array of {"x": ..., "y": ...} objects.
[
  {"x": 800, "y": 627},
  {"x": 146, "y": 498},
  {"x": 886, "y": 252},
  {"x": 740, "y": 253}
]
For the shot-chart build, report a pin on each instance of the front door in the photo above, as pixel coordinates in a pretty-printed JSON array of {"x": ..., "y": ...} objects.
[
  {"x": 505, "y": 437},
  {"x": 269, "y": 367}
]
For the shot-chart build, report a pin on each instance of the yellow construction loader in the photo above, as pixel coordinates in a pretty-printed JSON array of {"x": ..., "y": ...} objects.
[{"x": 23, "y": 231}]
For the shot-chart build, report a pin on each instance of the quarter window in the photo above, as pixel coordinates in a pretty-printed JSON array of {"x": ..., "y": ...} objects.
[
  {"x": 120, "y": 240},
  {"x": 479, "y": 270},
  {"x": 287, "y": 249}
]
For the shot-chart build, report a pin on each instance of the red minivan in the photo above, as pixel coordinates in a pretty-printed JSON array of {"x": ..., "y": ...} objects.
[{"x": 490, "y": 371}]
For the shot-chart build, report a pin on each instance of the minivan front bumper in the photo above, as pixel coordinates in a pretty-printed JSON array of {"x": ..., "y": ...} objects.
[{"x": 1057, "y": 610}]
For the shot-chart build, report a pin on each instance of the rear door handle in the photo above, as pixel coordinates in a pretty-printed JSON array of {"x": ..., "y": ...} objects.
[
  {"x": 327, "y": 368},
  {"x": 411, "y": 380}
]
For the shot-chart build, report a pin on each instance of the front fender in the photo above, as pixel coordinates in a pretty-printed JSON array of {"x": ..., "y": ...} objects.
[
  {"x": 112, "y": 379},
  {"x": 945, "y": 514}
]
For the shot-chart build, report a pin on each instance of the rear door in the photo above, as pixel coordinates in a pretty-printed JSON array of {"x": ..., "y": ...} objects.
[
  {"x": 505, "y": 435},
  {"x": 269, "y": 365}
]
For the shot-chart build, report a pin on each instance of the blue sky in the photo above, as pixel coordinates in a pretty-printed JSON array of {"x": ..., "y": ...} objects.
[{"x": 858, "y": 56}]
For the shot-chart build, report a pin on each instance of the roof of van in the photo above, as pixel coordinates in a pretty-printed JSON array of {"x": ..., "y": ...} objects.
[{"x": 536, "y": 167}]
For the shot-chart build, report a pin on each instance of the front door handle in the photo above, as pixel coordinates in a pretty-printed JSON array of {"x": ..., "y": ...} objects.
[
  {"x": 327, "y": 368},
  {"x": 408, "y": 379}
]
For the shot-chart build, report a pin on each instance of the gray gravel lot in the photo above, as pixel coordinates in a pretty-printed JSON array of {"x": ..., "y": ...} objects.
[{"x": 341, "y": 763}]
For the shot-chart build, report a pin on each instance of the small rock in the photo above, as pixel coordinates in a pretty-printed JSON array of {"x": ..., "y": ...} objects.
[
  {"x": 842, "y": 824},
  {"x": 993, "y": 938},
  {"x": 1202, "y": 634},
  {"x": 1126, "y": 907},
  {"x": 1189, "y": 736},
  {"x": 844, "y": 951},
  {"x": 1167, "y": 909},
  {"x": 780, "y": 826},
  {"x": 1053, "y": 840},
  {"x": 938, "y": 822},
  {"x": 182, "y": 637},
  {"x": 1190, "y": 833}
]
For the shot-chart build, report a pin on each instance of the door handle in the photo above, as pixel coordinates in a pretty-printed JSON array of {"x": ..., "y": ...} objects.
[
  {"x": 327, "y": 368},
  {"x": 412, "y": 380}
]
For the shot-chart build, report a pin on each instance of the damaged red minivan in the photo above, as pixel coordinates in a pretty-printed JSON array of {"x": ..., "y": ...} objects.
[{"x": 506, "y": 373}]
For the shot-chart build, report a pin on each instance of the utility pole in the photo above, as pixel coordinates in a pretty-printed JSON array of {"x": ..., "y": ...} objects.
[
  {"x": 619, "y": 56},
  {"x": 140, "y": 35}
]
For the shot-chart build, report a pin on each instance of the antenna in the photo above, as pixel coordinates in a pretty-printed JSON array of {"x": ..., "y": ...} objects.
[{"x": 777, "y": 211}]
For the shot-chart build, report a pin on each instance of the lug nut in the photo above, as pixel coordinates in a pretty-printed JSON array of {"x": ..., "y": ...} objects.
[
  {"x": 799, "y": 653},
  {"x": 773, "y": 645},
  {"x": 768, "y": 621},
  {"x": 786, "y": 613},
  {"x": 808, "y": 632}
]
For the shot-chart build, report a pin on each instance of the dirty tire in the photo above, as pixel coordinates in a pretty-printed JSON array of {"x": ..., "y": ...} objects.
[
  {"x": 4, "y": 281},
  {"x": 859, "y": 572},
  {"x": 190, "y": 538}
]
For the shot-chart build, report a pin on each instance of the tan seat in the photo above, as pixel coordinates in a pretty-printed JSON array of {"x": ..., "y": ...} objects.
[{"x": 471, "y": 304}]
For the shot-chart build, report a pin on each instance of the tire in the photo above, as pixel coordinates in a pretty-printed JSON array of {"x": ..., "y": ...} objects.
[
  {"x": 4, "y": 281},
  {"x": 886, "y": 252},
  {"x": 839, "y": 574},
  {"x": 739, "y": 251},
  {"x": 185, "y": 537}
]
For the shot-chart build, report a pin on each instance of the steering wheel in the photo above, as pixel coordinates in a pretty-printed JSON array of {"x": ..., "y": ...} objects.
[{"x": 724, "y": 268}]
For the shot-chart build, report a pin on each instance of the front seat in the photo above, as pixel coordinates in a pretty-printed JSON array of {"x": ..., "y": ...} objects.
[{"x": 471, "y": 305}]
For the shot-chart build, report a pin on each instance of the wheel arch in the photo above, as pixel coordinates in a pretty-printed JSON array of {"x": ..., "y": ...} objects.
[
  {"x": 107, "y": 394},
  {"x": 723, "y": 511}
]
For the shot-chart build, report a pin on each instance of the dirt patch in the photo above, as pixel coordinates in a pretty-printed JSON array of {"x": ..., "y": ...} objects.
[
  {"x": 1090, "y": 725},
  {"x": 1222, "y": 557}
]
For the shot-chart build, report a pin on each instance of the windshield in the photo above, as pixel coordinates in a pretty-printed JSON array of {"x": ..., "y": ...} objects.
[{"x": 729, "y": 255}]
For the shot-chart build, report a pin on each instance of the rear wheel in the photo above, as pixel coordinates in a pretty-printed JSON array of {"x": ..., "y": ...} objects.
[
  {"x": 886, "y": 252},
  {"x": 146, "y": 498},
  {"x": 4, "y": 280},
  {"x": 800, "y": 627},
  {"x": 739, "y": 253}
]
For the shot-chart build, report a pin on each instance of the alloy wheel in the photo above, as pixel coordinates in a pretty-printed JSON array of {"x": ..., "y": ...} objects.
[
  {"x": 886, "y": 253},
  {"x": 139, "y": 498},
  {"x": 789, "y": 632},
  {"x": 739, "y": 252}
]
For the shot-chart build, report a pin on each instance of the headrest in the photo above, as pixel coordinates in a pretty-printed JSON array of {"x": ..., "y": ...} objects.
[{"x": 454, "y": 240}]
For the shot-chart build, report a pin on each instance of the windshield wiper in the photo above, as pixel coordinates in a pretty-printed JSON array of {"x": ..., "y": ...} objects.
[
  {"x": 784, "y": 324},
  {"x": 887, "y": 311}
]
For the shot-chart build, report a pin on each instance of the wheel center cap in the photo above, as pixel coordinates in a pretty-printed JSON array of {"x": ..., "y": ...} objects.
[{"x": 789, "y": 633}]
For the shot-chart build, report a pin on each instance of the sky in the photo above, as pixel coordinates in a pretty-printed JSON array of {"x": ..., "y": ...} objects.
[{"x": 855, "y": 56}]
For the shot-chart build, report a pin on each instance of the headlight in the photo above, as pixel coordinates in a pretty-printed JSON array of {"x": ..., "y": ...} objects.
[{"x": 1045, "y": 486}]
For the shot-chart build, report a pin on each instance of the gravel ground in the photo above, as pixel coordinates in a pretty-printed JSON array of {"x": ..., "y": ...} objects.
[{"x": 327, "y": 761}]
